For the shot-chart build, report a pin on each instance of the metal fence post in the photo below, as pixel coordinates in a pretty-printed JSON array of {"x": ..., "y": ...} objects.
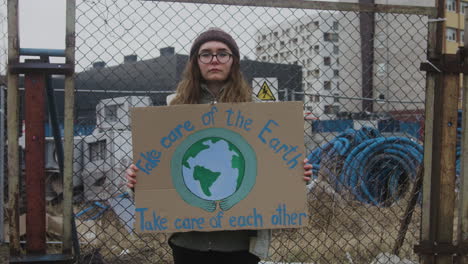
[
  {"x": 13, "y": 127},
  {"x": 2, "y": 160},
  {"x": 4, "y": 251},
  {"x": 463, "y": 203},
  {"x": 68, "y": 219}
]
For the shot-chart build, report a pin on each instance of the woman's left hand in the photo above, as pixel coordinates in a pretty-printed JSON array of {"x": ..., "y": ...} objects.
[{"x": 307, "y": 170}]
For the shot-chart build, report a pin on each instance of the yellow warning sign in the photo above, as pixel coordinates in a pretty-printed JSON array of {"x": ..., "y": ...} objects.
[{"x": 265, "y": 93}]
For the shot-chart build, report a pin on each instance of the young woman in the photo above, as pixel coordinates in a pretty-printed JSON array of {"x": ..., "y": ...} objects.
[{"x": 213, "y": 75}]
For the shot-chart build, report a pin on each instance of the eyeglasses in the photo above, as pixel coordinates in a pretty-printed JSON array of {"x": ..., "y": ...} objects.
[{"x": 222, "y": 57}]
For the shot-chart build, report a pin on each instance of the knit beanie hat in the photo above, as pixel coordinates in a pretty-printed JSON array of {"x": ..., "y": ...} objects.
[{"x": 214, "y": 34}]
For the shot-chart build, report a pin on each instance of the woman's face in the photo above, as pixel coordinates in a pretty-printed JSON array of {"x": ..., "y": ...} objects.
[{"x": 215, "y": 68}]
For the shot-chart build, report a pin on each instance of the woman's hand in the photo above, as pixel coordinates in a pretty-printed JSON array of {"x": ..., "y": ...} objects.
[
  {"x": 130, "y": 175},
  {"x": 307, "y": 170}
]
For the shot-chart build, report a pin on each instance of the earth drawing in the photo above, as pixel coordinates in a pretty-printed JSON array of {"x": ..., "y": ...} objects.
[{"x": 213, "y": 168}]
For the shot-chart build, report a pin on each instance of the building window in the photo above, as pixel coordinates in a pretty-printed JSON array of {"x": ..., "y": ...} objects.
[
  {"x": 380, "y": 98},
  {"x": 463, "y": 5},
  {"x": 327, "y": 85},
  {"x": 316, "y": 73},
  {"x": 451, "y": 5},
  {"x": 332, "y": 109},
  {"x": 327, "y": 61},
  {"x": 97, "y": 150},
  {"x": 314, "y": 98},
  {"x": 462, "y": 36},
  {"x": 110, "y": 113},
  {"x": 336, "y": 49},
  {"x": 316, "y": 48},
  {"x": 332, "y": 37},
  {"x": 381, "y": 69},
  {"x": 336, "y": 73},
  {"x": 451, "y": 34},
  {"x": 335, "y": 25},
  {"x": 336, "y": 98}
]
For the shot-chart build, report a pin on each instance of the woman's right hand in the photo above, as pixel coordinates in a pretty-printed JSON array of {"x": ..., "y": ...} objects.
[{"x": 130, "y": 175}]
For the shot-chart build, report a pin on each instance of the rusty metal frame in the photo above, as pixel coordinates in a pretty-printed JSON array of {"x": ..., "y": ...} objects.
[
  {"x": 14, "y": 68},
  {"x": 35, "y": 116},
  {"x": 318, "y": 5}
]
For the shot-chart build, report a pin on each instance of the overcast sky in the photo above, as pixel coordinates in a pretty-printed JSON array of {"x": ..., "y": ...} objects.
[{"x": 109, "y": 29}]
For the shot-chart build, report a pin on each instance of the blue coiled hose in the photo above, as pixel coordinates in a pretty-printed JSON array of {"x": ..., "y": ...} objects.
[
  {"x": 375, "y": 169},
  {"x": 341, "y": 145}
]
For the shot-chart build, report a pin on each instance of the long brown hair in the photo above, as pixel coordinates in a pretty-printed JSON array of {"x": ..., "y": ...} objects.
[{"x": 189, "y": 91}]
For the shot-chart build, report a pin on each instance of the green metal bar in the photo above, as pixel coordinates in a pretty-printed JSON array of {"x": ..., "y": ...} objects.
[
  {"x": 13, "y": 129},
  {"x": 318, "y": 5},
  {"x": 68, "y": 220}
]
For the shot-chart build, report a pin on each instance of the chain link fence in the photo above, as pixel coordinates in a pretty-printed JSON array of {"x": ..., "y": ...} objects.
[{"x": 356, "y": 72}]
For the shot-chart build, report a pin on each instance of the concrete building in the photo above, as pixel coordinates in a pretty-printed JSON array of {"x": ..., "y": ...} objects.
[
  {"x": 313, "y": 42},
  {"x": 454, "y": 25},
  {"x": 341, "y": 59}
]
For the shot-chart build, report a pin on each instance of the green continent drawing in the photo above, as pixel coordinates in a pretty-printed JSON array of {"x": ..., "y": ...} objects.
[
  {"x": 206, "y": 178},
  {"x": 237, "y": 162},
  {"x": 214, "y": 164}
]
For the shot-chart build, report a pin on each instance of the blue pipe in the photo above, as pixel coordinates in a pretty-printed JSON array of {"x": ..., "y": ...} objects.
[
  {"x": 42, "y": 52},
  {"x": 375, "y": 169}
]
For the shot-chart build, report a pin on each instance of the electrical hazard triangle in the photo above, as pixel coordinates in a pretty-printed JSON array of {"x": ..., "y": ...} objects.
[{"x": 265, "y": 93}]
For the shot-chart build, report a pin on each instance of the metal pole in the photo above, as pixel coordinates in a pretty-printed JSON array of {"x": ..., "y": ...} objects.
[
  {"x": 318, "y": 5},
  {"x": 443, "y": 157},
  {"x": 13, "y": 127},
  {"x": 431, "y": 78},
  {"x": 439, "y": 143},
  {"x": 68, "y": 220},
  {"x": 463, "y": 204},
  {"x": 2, "y": 160},
  {"x": 54, "y": 123},
  {"x": 367, "y": 32}
]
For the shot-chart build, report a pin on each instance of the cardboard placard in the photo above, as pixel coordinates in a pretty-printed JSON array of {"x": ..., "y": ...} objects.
[{"x": 219, "y": 167}]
